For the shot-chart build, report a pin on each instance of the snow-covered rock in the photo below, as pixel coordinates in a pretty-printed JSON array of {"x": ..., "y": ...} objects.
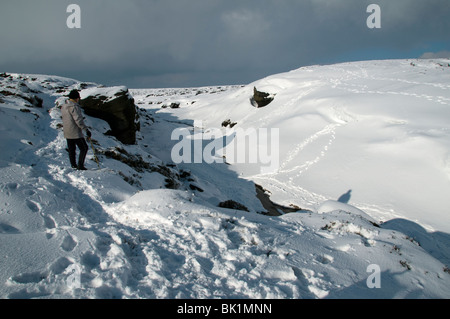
[{"x": 116, "y": 106}]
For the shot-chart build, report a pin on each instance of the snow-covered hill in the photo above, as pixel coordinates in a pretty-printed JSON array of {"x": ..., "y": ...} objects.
[
  {"x": 144, "y": 227},
  {"x": 379, "y": 128}
]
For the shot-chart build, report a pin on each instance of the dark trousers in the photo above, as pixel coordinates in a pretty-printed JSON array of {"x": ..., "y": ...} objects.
[{"x": 82, "y": 145}]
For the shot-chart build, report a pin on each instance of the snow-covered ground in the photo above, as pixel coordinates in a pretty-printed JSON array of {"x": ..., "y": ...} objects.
[{"x": 380, "y": 129}]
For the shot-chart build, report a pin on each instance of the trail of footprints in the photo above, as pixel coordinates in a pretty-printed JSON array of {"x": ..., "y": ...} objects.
[
  {"x": 56, "y": 272},
  {"x": 14, "y": 189},
  {"x": 80, "y": 259}
]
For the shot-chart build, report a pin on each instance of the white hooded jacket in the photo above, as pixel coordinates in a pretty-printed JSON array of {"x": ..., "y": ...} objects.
[{"x": 73, "y": 121}]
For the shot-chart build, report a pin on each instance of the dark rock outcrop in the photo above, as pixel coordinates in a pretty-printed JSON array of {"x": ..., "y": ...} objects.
[
  {"x": 174, "y": 105},
  {"x": 274, "y": 209},
  {"x": 228, "y": 122},
  {"x": 231, "y": 204},
  {"x": 261, "y": 99},
  {"x": 115, "y": 106}
]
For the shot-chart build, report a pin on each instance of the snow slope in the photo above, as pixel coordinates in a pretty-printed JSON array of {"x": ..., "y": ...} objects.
[
  {"x": 142, "y": 231},
  {"x": 378, "y": 128}
]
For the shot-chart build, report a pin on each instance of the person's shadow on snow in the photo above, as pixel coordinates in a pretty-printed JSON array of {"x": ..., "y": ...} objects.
[{"x": 345, "y": 198}]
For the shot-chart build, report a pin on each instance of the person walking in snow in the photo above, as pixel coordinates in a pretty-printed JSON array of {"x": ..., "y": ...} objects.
[{"x": 73, "y": 125}]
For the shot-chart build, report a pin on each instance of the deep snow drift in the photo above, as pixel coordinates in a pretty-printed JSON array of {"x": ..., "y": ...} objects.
[{"x": 380, "y": 129}]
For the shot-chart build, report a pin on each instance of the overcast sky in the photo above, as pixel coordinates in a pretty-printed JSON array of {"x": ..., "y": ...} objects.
[{"x": 184, "y": 43}]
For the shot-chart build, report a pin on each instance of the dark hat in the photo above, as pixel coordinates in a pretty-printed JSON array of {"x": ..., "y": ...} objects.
[{"x": 74, "y": 95}]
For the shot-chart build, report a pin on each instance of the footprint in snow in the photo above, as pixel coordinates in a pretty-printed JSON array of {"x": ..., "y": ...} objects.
[
  {"x": 33, "y": 206},
  {"x": 325, "y": 259},
  {"x": 40, "y": 278},
  {"x": 8, "y": 229},
  {"x": 60, "y": 265},
  {"x": 8, "y": 188},
  {"x": 68, "y": 243},
  {"x": 49, "y": 222},
  {"x": 31, "y": 277}
]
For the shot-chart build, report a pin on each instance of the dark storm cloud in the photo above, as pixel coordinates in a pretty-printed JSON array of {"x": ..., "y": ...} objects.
[{"x": 153, "y": 43}]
